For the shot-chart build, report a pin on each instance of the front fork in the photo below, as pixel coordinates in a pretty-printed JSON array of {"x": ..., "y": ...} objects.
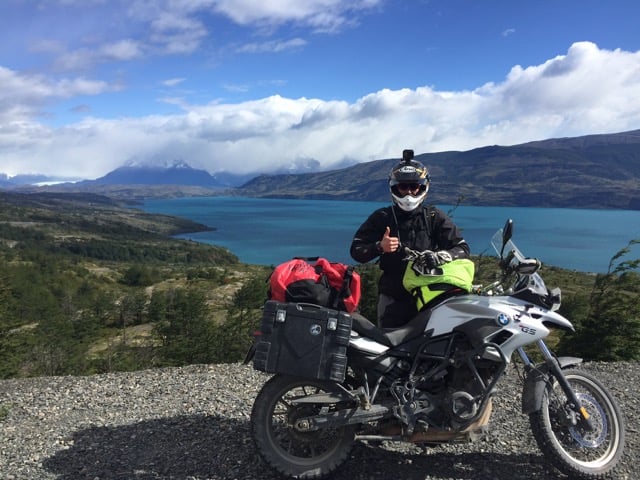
[{"x": 537, "y": 378}]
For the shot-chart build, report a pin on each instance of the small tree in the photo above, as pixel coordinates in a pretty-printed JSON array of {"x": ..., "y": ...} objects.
[
  {"x": 157, "y": 309},
  {"x": 186, "y": 332},
  {"x": 611, "y": 329},
  {"x": 369, "y": 276},
  {"x": 234, "y": 336},
  {"x": 138, "y": 276}
]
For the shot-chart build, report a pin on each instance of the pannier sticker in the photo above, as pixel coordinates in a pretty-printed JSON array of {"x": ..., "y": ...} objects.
[
  {"x": 332, "y": 323},
  {"x": 315, "y": 329},
  {"x": 281, "y": 315}
]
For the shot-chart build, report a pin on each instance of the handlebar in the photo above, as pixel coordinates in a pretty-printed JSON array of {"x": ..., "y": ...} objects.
[{"x": 513, "y": 263}]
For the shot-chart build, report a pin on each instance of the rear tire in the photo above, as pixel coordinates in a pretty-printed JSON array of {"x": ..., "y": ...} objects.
[
  {"x": 573, "y": 450},
  {"x": 289, "y": 451}
]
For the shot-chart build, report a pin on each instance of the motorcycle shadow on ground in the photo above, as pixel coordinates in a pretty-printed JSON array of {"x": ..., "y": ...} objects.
[{"x": 216, "y": 447}]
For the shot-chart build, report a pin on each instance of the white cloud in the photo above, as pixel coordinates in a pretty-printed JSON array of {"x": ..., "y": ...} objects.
[
  {"x": 588, "y": 90},
  {"x": 24, "y": 95},
  {"x": 322, "y": 15},
  {"x": 272, "y": 46},
  {"x": 173, "y": 82},
  {"x": 83, "y": 59},
  {"x": 178, "y": 26},
  {"x": 122, "y": 50},
  {"x": 176, "y": 33},
  {"x": 124, "y": 30}
]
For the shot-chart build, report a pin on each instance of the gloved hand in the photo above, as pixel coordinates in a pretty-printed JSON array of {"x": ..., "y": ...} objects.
[
  {"x": 428, "y": 260},
  {"x": 443, "y": 257}
]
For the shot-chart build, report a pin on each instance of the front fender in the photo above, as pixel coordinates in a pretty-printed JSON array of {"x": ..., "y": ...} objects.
[{"x": 536, "y": 382}]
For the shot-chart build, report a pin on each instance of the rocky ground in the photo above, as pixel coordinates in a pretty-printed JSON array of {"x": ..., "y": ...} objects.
[{"x": 193, "y": 423}]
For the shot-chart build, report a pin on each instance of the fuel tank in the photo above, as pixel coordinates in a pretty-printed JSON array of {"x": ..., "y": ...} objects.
[{"x": 506, "y": 321}]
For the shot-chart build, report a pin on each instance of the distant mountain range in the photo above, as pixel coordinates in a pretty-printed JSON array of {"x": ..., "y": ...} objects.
[
  {"x": 594, "y": 171},
  {"x": 19, "y": 180},
  {"x": 177, "y": 173}
]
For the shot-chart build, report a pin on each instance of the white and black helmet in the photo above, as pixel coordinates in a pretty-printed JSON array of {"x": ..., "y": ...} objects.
[{"x": 409, "y": 182}]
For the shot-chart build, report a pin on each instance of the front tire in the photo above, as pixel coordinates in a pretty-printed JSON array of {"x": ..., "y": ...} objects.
[
  {"x": 571, "y": 448},
  {"x": 289, "y": 451}
]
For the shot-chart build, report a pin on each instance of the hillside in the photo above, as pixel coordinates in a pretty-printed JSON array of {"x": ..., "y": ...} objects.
[
  {"x": 88, "y": 285},
  {"x": 59, "y": 213},
  {"x": 597, "y": 171}
]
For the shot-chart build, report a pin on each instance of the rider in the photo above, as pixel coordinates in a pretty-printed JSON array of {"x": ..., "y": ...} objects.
[{"x": 406, "y": 223}]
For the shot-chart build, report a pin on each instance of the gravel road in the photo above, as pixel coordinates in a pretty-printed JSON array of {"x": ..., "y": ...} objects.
[{"x": 193, "y": 423}]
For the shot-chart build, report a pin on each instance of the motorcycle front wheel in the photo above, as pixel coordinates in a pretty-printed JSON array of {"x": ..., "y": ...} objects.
[
  {"x": 288, "y": 450},
  {"x": 573, "y": 449}
]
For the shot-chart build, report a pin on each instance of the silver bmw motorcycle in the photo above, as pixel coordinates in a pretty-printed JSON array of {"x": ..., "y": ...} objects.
[{"x": 338, "y": 378}]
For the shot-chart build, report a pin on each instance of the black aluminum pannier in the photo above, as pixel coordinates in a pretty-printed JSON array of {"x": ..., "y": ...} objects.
[{"x": 304, "y": 340}]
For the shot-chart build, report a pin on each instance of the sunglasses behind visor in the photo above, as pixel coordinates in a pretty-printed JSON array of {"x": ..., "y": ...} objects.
[{"x": 409, "y": 186}]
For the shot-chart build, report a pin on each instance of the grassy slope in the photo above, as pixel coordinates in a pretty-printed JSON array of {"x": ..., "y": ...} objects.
[{"x": 92, "y": 242}]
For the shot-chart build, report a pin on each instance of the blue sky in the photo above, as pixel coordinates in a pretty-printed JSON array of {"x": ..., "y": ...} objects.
[{"x": 258, "y": 85}]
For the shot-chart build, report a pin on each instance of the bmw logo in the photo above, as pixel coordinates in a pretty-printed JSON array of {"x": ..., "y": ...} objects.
[
  {"x": 315, "y": 329},
  {"x": 503, "y": 319}
]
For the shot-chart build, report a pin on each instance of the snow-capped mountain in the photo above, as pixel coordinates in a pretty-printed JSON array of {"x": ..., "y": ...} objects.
[{"x": 177, "y": 173}]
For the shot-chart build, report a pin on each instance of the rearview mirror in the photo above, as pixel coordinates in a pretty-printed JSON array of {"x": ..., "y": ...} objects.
[{"x": 507, "y": 233}]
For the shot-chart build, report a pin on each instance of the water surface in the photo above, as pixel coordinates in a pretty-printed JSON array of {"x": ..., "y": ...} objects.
[{"x": 269, "y": 231}]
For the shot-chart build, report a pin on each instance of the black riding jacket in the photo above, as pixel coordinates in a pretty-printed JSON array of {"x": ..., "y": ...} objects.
[{"x": 425, "y": 228}]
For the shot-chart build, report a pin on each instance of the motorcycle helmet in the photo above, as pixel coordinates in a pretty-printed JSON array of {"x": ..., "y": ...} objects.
[{"x": 409, "y": 182}]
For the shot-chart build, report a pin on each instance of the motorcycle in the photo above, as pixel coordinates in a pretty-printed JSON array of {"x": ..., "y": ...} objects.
[{"x": 431, "y": 381}]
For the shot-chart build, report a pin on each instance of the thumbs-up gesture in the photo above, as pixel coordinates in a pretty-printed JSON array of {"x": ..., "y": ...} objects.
[{"x": 388, "y": 243}]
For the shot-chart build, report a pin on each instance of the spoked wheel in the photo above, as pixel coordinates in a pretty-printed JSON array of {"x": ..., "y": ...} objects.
[
  {"x": 573, "y": 449},
  {"x": 288, "y": 449}
]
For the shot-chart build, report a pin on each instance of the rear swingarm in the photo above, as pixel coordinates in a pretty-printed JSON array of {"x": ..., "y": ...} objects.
[{"x": 341, "y": 418}]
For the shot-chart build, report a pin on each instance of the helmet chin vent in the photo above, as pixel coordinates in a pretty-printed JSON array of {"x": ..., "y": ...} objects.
[{"x": 408, "y": 203}]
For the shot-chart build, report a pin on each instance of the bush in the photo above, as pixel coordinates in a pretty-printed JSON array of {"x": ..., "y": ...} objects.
[{"x": 610, "y": 329}]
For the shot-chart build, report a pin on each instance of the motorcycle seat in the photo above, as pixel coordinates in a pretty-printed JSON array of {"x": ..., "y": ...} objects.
[{"x": 391, "y": 337}]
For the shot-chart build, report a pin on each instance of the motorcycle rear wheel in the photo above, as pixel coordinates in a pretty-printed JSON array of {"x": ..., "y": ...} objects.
[
  {"x": 291, "y": 452},
  {"x": 572, "y": 449}
]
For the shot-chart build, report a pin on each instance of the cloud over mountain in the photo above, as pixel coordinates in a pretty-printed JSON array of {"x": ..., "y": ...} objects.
[{"x": 254, "y": 86}]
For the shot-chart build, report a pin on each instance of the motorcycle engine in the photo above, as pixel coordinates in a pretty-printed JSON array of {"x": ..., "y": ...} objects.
[{"x": 447, "y": 392}]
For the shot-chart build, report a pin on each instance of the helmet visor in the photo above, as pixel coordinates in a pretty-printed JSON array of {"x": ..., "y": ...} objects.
[{"x": 403, "y": 189}]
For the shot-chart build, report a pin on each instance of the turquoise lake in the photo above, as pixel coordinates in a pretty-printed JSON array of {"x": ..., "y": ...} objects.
[{"x": 270, "y": 231}]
